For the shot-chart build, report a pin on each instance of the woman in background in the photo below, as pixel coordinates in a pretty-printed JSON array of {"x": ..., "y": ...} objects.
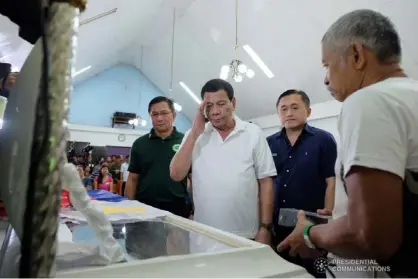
[{"x": 104, "y": 181}]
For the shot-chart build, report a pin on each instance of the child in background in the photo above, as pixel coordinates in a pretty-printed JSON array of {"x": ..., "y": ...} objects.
[{"x": 104, "y": 181}]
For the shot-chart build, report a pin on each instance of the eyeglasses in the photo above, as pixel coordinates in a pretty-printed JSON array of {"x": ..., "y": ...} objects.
[{"x": 163, "y": 113}]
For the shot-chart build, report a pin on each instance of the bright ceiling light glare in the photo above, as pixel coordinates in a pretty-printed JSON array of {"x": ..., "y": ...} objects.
[
  {"x": 238, "y": 78},
  {"x": 178, "y": 107},
  {"x": 223, "y": 75},
  {"x": 250, "y": 73},
  {"x": 257, "y": 60},
  {"x": 225, "y": 69},
  {"x": 143, "y": 123},
  {"x": 76, "y": 73},
  {"x": 190, "y": 92},
  {"x": 242, "y": 68},
  {"x": 15, "y": 69}
]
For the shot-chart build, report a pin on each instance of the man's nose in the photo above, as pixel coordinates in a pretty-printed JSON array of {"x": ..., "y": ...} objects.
[{"x": 215, "y": 110}]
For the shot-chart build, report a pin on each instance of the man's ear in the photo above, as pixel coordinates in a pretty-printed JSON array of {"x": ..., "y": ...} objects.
[
  {"x": 234, "y": 102},
  {"x": 358, "y": 55},
  {"x": 174, "y": 114}
]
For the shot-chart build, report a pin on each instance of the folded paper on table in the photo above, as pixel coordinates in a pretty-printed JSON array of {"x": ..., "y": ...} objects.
[{"x": 118, "y": 212}]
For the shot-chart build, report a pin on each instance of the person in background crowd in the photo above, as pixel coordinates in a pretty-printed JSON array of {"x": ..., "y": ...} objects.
[
  {"x": 7, "y": 83},
  {"x": 114, "y": 169},
  {"x": 74, "y": 160},
  {"x": 87, "y": 181},
  {"x": 96, "y": 170},
  {"x": 232, "y": 167},
  {"x": 109, "y": 160},
  {"x": 149, "y": 176},
  {"x": 104, "y": 181},
  {"x": 305, "y": 160},
  {"x": 124, "y": 173},
  {"x": 87, "y": 171},
  {"x": 375, "y": 215},
  {"x": 113, "y": 158}
]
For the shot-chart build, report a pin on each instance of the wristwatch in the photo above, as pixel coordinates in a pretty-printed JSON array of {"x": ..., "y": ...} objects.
[
  {"x": 308, "y": 241},
  {"x": 267, "y": 226}
]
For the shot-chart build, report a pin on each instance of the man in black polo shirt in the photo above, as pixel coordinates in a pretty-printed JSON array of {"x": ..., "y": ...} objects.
[{"x": 149, "y": 178}]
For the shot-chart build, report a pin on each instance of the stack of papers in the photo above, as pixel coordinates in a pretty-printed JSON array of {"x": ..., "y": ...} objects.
[{"x": 117, "y": 212}]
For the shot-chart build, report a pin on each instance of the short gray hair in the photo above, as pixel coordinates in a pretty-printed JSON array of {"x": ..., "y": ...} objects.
[{"x": 369, "y": 28}]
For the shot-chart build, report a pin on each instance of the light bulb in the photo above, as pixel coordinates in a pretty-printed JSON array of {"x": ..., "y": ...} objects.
[
  {"x": 250, "y": 73},
  {"x": 225, "y": 69},
  {"x": 242, "y": 68},
  {"x": 131, "y": 121},
  {"x": 238, "y": 78},
  {"x": 135, "y": 121},
  {"x": 143, "y": 122},
  {"x": 177, "y": 107},
  {"x": 223, "y": 75}
]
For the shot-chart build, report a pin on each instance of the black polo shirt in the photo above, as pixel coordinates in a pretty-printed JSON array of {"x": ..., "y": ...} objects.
[{"x": 150, "y": 159}]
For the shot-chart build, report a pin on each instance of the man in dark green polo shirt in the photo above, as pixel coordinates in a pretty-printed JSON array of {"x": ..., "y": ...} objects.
[{"x": 149, "y": 178}]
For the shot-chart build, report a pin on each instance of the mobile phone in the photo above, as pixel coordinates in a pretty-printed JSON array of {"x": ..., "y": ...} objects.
[{"x": 288, "y": 217}]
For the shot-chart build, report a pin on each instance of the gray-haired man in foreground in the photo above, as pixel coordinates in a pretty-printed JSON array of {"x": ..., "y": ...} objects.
[{"x": 376, "y": 205}]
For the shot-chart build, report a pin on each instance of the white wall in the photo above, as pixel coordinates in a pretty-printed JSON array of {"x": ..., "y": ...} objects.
[
  {"x": 324, "y": 116},
  {"x": 102, "y": 136}
]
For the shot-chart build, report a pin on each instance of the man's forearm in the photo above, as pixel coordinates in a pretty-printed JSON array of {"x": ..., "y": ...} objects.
[
  {"x": 330, "y": 194},
  {"x": 266, "y": 200},
  {"x": 181, "y": 162},
  {"x": 130, "y": 187},
  {"x": 338, "y": 238}
]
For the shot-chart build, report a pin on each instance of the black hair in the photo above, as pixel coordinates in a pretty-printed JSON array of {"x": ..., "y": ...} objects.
[
  {"x": 215, "y": 85},
  {"x": 127, "y": 156},
  {"x": 160, "y": 99},
  {"x": 100, "y": 177},
  {"x": 301, "y": 93}
]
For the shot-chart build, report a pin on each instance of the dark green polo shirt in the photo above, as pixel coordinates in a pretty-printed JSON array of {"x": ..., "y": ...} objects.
[{"x": 150, "y": 159}]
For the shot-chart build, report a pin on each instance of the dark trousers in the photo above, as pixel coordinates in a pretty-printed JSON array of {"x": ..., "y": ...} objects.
[
  {"x": 178, "y": 207},
  {"x": 123, "y": 188},
  {"x": 308, "y": 264}
]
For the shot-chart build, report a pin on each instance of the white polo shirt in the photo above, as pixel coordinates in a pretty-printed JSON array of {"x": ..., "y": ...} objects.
[
  {"x": 225, "y": 177},
  {"x": 378, "y": 128}
]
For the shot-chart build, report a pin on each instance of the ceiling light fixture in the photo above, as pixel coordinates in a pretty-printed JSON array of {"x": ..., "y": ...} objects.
[
  {"x": 76, "y": 73},
  {"x": 177, "y": 106},
  {"x": 190, "y": 92},
  {"x": 236, "y": 69},
  {"x": 137, "y": 121},
  {"x": 99, "y": 16},
  {"x": 257, "y": 60}
]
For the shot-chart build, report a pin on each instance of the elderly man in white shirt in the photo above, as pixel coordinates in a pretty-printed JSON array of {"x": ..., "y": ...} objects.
[
  {"x": 374, "y": 233},
  {"x": 232, "y": 167}
]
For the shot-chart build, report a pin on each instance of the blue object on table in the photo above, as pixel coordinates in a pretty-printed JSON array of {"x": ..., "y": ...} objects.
[{"x": 102, "y": 195}]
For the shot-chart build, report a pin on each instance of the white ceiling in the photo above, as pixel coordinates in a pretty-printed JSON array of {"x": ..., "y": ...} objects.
[{"x": 285, "y": 33}]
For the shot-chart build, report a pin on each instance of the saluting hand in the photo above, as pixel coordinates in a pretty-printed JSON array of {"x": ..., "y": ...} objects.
[{"x": 199, "y": 121}]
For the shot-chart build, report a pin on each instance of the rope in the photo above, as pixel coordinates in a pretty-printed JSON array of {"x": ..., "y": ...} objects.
[{"x": 61, "y": 29}]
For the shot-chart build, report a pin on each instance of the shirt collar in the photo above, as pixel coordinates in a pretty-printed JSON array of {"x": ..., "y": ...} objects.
[
  {"x": 239, "y": 125},
  {"x": 153, "y": 135},
  {"x": 306, "y": 129}
]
